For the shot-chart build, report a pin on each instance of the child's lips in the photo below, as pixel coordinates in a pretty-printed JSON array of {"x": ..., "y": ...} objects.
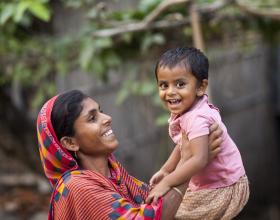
[{"x": 174, "y": 101}]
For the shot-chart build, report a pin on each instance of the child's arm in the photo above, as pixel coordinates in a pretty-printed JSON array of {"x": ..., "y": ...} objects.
[
  {"x": 168, "y": 166},
  {"x": 198, "y": 160}
]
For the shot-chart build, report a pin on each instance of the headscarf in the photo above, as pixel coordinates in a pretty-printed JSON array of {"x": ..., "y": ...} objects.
[
  {"x": 120, "y": 197},
  {"x": 55, "y": 159}
]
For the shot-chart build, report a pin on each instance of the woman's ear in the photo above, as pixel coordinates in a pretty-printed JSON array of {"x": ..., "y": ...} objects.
[
  {"x": 69, "y": 143},
  {"x": 202, "y": 88}
]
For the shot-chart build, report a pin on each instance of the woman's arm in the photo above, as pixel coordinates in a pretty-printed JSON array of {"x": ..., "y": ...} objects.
[{"x": 171, "y": 202}]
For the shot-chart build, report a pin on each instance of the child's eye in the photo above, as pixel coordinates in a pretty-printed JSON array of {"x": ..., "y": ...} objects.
[
  {"x": 162, "y": 85},
  {"x": 180, "y": 84}
]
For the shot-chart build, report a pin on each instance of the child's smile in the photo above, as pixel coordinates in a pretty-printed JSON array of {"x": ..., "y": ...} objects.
[
  {"x": 178, "y": 88},
  {"x": 173, "y": 103}
]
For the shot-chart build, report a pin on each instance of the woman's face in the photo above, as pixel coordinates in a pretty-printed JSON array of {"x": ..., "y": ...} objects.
[{"x": 93, "y": 132}]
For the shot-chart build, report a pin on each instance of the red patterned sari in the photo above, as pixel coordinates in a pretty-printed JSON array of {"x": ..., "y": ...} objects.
[{"x": 85, "y": 194}]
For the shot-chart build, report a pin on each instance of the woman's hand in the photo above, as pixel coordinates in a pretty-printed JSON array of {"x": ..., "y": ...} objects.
[
  {"x": 157, "y": 177},
  {"x": 158, "y": 191},
  {"x": 215, "y": 140},
  {"x": 185, "y": 149}
]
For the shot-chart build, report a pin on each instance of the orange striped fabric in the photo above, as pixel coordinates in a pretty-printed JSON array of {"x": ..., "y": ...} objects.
[
  {"x": 84, "y": 194},
  {"x": 93, "y": 196}
]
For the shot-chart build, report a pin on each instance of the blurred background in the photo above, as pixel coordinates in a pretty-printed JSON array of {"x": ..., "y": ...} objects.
[{"x": 108, "y": 49}]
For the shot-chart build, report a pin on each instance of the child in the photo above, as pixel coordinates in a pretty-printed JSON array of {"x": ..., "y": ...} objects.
[{"x": 217, "y": 189}]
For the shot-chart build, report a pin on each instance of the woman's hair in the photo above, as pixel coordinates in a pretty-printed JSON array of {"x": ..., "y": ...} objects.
[
  {"x": 66, "y": 109},
  {"x": 193, "y": 60}
]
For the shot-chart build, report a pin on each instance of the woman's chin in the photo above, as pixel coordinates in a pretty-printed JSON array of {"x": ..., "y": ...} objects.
[{"x": 115, "y": 145}]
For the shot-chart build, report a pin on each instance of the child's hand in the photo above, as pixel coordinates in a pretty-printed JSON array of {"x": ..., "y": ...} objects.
[
  {"x": 157, "y": 177},
  {"x": 159, "y": 190}
]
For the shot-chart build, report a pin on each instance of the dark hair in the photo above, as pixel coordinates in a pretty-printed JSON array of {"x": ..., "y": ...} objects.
[
  {"x": 67, "y": 108},
  {"x": 193, "y": 59}
]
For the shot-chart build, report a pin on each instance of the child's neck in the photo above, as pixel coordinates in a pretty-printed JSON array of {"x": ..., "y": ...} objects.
[{"x": 188, "y": 109}]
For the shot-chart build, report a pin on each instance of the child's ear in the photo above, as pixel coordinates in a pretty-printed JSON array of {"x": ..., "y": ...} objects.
[
  {"x": 202, "y": 88},
  {"x": 69, "y": 143}
]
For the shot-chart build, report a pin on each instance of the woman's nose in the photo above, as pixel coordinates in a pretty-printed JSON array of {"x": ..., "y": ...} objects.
[{"x": 107, "y": 119}]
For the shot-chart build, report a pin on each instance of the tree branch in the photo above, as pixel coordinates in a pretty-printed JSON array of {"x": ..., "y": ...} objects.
[
  {"x": 148, "y": 23},
  {"x": 217, "y": 5},
  {"x": 134, "y": 27},
  {"x": 274, "y": 14},
  {"x": 145, "y": 24},
  {"x": 161, "y": 7}
]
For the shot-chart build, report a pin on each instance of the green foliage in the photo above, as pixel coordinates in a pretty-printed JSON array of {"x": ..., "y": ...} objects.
[
  {"x": 20, "y": 11},
  {"x": 146, "y": 6},
  {"x": 35, "y": 57},
  {"x": 151, "y": 39}
]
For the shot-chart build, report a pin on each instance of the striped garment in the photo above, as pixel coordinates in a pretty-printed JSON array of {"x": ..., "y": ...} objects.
[{"x": 85, "y": 194}]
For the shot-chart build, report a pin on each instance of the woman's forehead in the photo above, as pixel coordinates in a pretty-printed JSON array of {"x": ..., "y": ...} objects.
[{"x": 89, "y": 105}]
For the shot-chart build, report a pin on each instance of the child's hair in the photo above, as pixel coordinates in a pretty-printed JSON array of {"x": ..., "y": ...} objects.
[{"x": 193, "y": 60}]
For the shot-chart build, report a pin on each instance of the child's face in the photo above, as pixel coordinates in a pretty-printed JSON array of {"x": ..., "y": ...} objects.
[{"x": 178, "y": 88}]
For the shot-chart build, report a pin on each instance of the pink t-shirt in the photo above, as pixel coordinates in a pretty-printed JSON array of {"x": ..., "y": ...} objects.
[{"x": 227, "y": 167}]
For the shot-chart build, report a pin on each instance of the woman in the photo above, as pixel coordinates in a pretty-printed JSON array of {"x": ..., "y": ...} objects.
[{"x": 76, "y": 143}]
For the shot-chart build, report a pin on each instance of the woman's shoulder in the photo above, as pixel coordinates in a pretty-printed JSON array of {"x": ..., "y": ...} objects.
[{"x": 85, "y": 178}]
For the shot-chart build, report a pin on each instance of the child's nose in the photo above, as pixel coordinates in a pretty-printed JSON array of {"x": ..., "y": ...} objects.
[{"x": 171, "y": 90}]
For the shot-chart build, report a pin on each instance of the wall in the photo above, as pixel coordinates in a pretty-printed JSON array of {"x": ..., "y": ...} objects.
[
  {"x": 241, "y": 82},
  {"x": 240, "y": 87}
]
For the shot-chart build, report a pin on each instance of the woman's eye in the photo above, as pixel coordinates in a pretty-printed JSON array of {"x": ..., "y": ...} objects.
[{"x": 92, "y": 118}]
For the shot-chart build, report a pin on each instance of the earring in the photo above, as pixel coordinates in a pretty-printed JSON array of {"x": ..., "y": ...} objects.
[{"x": 75, "y": 153}]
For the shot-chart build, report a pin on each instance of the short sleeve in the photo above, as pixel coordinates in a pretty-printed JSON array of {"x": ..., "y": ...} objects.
[{"x": 196, "y": 124}]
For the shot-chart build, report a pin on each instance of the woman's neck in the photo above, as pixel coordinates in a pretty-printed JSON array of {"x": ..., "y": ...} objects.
[{"x": 97, "y": 164}]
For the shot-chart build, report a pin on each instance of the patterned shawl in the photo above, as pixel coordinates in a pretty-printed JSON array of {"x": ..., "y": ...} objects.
[{"x": 85, "y": 194}]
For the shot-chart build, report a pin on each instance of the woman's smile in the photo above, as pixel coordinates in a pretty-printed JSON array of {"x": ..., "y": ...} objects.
[{"x": 94, "y": 133}]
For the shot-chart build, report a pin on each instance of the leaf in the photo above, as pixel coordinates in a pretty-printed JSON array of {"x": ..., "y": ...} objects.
[
  {"x": 38, "y": 98},
  {"x": 122, "y": 95},
  {"x": 127, "y": 37},
  {"x": 62, "y": 67},
  {"x": 6, "y": 13},
  {"x": 93, "y": 13},
  {"x": 148, "y": 5},
  {"x": 187, "y": 31},
  {"x": 21, "y": 8},
  {"x": 147, "y": 88},
  {"x": 102, "y": 43},
  {"x": 40, "y": 10},
  {"x": 112, "y": 59},
  {"x": 86, "y": 54},
  {"x": 149, "y": 40},
  {"x": 97, "y": 66}
]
